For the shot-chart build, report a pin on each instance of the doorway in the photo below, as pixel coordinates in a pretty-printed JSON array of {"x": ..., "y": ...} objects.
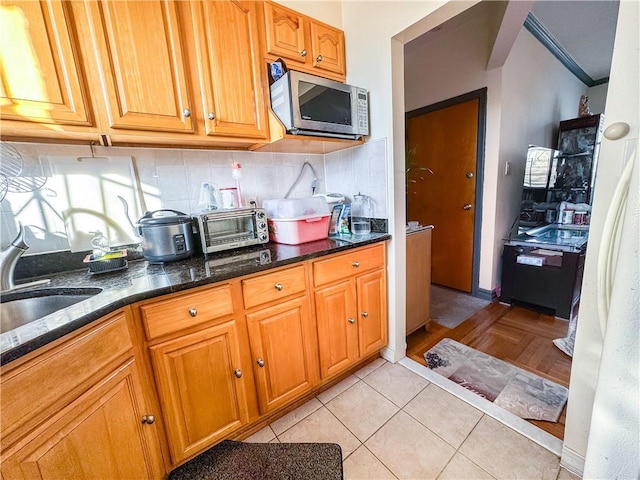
[{"x": 445, "y": 145}]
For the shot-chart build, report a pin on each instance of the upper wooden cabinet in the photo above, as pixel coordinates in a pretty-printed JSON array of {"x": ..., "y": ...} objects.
[
  {"x": 140, "y": 57},
  {"x": 228, "y": 54},
  {"x": 42, "y": 75},
  {"x": 305, "y": 44}
]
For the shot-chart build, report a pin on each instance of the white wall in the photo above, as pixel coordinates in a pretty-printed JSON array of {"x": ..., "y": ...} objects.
[{"x": 598, "y": 97}]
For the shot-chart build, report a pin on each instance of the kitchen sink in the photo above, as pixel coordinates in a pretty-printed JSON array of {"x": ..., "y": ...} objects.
[{"x": 20, "y": 308}]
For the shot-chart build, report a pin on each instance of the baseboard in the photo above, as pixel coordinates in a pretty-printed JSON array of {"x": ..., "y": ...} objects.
[
  {"x": 388, "y": 355},
  {"x": 486, "y": 294},
  {"x": 572, "y": 461}
]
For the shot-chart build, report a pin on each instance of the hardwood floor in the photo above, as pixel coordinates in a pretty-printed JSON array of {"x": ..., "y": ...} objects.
[{"x": 514, "y": 334}]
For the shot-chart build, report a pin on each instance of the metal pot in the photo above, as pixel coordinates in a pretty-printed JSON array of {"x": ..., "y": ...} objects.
[{"x": 165, "y": 238}]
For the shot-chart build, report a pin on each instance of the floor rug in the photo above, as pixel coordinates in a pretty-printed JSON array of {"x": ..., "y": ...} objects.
[
  {"x": 450, "y": 308},
  {"x": 232, "y": 460},
  {"x": 522, "y": 393}
]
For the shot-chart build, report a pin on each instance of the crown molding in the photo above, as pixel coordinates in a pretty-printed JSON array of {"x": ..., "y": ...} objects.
[{"x": 533, "y": 25}]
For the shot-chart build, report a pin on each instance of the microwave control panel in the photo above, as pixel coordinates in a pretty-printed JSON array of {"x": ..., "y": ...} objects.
[{"x": 363, "y": 111}]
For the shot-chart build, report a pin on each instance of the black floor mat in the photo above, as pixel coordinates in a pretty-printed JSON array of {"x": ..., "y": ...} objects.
[{"x": 231, "y": 460}]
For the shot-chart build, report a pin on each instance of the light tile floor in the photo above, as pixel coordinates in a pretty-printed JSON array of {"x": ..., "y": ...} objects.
[{"x": 393, "y": 424}]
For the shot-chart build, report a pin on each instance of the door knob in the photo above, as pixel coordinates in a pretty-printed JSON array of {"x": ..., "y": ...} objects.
[
  {"x": 237, "y": 373},
  {"x": 469, "y": 175},
  {"x": 260, "y": 362},
  {"x": 351, "y": 320},
  {"x": 211, "y": 116},
  {"x": 467, "y": 207},
  {"x": 319, "y": 58},
  {"x": 303, "y": 53},
  {"x": 148, "y": 419},
  {"x": 186, "y": 112}
]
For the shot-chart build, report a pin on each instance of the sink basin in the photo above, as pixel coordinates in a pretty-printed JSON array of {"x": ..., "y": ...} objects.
[{"x": 20, "y": 308}]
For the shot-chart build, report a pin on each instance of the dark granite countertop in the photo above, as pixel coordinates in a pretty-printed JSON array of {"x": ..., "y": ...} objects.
[{"x": 142, "y": 280}]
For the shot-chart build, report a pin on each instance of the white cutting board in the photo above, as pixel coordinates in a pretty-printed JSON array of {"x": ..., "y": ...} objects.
[{"x": 86, "y": 196}]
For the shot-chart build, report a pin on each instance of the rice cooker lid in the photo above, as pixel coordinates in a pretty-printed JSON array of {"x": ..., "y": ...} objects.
[{"x": 156, "y": 218}]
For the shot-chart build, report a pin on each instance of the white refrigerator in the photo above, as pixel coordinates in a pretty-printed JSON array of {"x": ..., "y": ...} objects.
[{"x": 602, "y": 434}]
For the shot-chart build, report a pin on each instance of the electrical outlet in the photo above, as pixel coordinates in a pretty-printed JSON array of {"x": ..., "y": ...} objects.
[{"x": 250, "y": 201}]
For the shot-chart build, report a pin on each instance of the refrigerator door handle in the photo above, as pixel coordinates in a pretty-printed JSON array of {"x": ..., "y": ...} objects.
[{"x": 608, "y": 243}]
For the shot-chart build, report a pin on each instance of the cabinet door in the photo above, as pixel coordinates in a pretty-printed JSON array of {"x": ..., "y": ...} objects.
[
  {"x": 100, "y": 435},
  {"x": 41, "y": 73},
  {"x": 327, "y": 47},
  {"x": 285, "y": 34},
  {"x": 139, "y": 50},
  {"x": 372, "y": 312},
  {"x": 337, "y": 327},
  {"x": 282, "y": 345},
  {"x": 229, "y": 68},
  {"x": 201, "y": 388}
]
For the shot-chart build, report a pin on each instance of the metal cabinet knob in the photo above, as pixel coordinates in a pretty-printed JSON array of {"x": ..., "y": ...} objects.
[
  {"x": 278, "y": 286},
  {"x": 355, "y": 264},
  {"x": 467, "y": 207},
  {"x": 364, "y": 314},
  {"x": 351, "y": 320},
  {"x": 319, "y": 58},
  {"x": 303, "y": 53},
  {"x": 260, "y": 362},
  {"x": 237, "y": 372},
  {"x": 469, "y": 175},
  {"x": 148, "y": 419},
  {"x": 211, "y": 116},
  {"x": 186, "y": 112},
  {"x": 193, "y": 312}
]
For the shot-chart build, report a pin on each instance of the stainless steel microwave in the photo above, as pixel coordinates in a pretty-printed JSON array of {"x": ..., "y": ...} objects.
[{"x": 311, "y": 105}]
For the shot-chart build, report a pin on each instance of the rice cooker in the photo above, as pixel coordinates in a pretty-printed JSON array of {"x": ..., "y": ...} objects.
[{"x": 165, "y": 235}]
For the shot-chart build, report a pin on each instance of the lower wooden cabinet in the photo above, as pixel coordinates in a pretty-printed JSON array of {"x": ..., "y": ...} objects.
[
  {"x": 98, "y": 423},
  {"x": 147, "y": 389},
  {"x": 282, "y": 347},
  {"x": 100, "y": 435},
  {"x": 351, "y": 308},
  {"x": 201, "y": 388}
]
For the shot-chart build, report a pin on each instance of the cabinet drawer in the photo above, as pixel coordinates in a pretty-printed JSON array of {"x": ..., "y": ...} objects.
[
  {"x": 177, "y": 313},
  {"x": 44, "y": 385},
  {"x": 273, "y": 286},
  {"x": 347, "y": 264}
]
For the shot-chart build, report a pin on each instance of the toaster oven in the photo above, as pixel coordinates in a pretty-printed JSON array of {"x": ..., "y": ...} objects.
[{"x": 234, "y": 228}]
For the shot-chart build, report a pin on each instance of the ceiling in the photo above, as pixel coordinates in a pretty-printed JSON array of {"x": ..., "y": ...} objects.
[
  {"x": 580, "y": 33},
  {"x": 584, "y": 29}
]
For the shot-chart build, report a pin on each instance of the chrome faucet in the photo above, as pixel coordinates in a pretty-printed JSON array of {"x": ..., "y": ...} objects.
[{"x": 8, "y": 259}]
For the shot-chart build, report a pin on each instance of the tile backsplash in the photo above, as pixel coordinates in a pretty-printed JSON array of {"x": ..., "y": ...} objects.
[{"x": 172, "y": 179}]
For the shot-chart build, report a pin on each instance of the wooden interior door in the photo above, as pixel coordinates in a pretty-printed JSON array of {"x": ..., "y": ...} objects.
[{"x": 445, "y": 141}]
